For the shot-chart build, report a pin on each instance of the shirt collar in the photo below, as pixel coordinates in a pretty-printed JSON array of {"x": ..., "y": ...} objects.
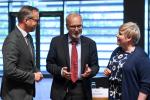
[{"x": 24, "y": 33}]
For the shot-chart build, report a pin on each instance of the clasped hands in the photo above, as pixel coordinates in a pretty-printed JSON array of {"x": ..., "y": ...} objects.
[
  {"x": 67, "y": 74},
  {"x": 38, "y": 76}
]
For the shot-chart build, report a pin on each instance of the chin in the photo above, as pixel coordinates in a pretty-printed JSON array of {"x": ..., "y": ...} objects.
[
  {"x": 32, "y": 30},
  {"x": 76, "y": 36},
  {"x": 118, "y": 44}
]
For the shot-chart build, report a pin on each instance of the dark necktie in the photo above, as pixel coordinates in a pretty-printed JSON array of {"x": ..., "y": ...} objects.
[
  {"x": 74, "y": 63},
  {"x": 29, "y": 41}
]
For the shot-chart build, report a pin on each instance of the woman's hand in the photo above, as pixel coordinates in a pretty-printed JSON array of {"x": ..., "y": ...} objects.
[{"x": 107, "y": 72}]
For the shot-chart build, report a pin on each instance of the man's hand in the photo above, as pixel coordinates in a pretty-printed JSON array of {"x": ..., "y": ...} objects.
[
  {"x": 65, "y": 73},
  {"x": 38, "y": 76},
  {"x": 87, "y": 71}
]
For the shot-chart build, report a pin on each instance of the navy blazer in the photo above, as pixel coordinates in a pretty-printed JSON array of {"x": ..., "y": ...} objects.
[
  {"x": 58, "y": 57},
  {"x": 19, "y": 66}
]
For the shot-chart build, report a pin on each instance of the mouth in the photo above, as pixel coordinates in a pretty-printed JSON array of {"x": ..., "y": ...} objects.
[
  {"x": 76, "y": 35},
  {"x": 118, "y": 39}
]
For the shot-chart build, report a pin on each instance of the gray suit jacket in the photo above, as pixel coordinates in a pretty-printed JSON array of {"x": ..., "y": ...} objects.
[
  {"x": 19, "y": 65},
  {"x": 58, "y": 57}
]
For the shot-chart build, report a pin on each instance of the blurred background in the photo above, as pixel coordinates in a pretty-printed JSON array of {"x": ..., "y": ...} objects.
[{"x": 101, "y": 20}]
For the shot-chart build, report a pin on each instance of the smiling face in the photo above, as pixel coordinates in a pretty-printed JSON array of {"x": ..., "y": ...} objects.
[
  {"x": 74, "y": 25},
  {"x": 129, "y": 34},
  {"x": 122, "y": 39}
]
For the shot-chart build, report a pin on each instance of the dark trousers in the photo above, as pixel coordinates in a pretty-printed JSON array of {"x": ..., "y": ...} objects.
[
  {"x": 27, "y": 97},
  {"x": 75, "y": 91}
]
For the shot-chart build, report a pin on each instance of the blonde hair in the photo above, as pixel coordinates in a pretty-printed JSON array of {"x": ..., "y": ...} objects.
[{"x": 131, "y": 30}]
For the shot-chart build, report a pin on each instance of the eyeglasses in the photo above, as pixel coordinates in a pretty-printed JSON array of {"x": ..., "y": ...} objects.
[
  {"x": 36, "y": 20},
  {"x": 75, "y": 26}
]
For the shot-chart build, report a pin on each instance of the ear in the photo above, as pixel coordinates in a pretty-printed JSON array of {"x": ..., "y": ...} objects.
[
  {"x": 67, "y": 26},
  {"x": 26, "y": 21},
  {"x": 129, "y": 39}
]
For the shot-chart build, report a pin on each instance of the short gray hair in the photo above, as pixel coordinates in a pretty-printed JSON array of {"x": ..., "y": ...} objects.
[
  {"x": 26, "y": 12},
  {"x": 72, "y": 15}
]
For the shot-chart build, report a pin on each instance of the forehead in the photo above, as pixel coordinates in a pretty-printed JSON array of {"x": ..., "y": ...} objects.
[
  {"x": 35, "y": 14},
  {"x": 75, "y": 20}
]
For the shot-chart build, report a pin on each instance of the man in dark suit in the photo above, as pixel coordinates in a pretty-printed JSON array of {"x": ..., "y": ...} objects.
[
  {"x": 20, "y": 72},
  {"x": 59, "y": 63}
]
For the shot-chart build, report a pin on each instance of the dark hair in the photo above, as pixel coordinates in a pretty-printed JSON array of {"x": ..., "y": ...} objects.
[{"x": 26, "y": 12}]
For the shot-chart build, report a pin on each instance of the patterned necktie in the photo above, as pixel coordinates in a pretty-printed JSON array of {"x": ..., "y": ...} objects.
[
  {"x": 74, "y": 63},
  {"x": 29, "y": 41}
]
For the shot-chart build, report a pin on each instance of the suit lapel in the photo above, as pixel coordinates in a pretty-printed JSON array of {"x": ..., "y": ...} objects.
[
  {"x": 21, "y": 40},
  {"x": 83, "y": 53},
  {"x": 66, "y": 50},
  {"x": 24, "y": 44},
  {"x": 32, "y": 47}
]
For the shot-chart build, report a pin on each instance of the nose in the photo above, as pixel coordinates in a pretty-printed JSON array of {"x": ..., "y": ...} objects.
[{"x": 76, "y": 28}]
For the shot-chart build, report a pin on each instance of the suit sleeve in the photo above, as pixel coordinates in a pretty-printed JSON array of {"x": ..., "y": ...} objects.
[
  {"x": 93, "y": 59},
  {"x": 51, "y": 61},
  {"x": 11, "y": 68}
]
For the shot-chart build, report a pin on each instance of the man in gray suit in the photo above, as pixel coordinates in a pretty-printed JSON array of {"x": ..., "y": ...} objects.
[{"x": 20, "y": 72}]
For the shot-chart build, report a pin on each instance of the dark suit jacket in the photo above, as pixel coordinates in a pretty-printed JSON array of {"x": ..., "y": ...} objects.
[
  {"x": 58, "y": 57},
  {"x": 18, "y": 78}
]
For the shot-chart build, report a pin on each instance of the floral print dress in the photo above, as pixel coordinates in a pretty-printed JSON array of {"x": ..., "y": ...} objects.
[{"x": 115, "y": 80}]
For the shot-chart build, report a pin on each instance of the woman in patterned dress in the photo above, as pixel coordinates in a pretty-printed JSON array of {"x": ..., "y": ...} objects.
[{"x": 129, "y": 66}]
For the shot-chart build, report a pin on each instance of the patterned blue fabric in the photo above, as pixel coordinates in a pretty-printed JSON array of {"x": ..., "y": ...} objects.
[
  {"x": 130, "y": 74},
  {"x": 116, "y": 64}
]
